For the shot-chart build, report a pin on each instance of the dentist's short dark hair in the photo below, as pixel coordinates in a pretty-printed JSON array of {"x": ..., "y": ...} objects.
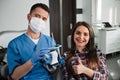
[{"x": 41, "y": 5}]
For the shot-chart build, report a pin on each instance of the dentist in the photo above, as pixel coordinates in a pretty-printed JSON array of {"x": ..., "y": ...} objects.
[{"x": 25, "y": 52}]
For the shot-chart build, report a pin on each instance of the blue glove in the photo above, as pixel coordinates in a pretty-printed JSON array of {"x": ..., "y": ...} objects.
[
  {"x": 62, "y": 61},
  {"x": 39, "y": 55},
  {"x": 47, "y": 59},
  {"x": 57, "y": 45}
]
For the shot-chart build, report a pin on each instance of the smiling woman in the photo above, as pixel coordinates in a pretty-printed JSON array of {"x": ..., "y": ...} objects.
[{"x": 84, "y": 61}]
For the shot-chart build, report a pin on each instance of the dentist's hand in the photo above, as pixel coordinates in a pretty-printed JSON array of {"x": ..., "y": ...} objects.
[
  {"x": 39, "y": 55},
  {"x": 47, "y": 58}
]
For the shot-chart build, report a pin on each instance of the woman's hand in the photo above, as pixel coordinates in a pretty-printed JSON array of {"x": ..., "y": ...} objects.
[{"x": 79, "y": 68}]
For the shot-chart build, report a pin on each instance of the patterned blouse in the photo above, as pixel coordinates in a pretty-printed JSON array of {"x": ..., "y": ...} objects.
[{"x": 100, "y": 73}]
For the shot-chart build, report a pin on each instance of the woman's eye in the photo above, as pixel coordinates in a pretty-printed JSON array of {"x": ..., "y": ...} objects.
[
  {"x": 77, "y": 32},
  {"x": 85, "y": 34}
]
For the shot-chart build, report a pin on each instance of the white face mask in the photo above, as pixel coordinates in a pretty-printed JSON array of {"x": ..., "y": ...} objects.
[{"x": 36, "y": 24}]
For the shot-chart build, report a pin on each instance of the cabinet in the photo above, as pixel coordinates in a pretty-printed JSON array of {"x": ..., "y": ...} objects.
[{"x": 109, "y": 40}]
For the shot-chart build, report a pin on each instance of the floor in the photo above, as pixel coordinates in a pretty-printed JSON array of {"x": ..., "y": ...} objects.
[{"x": 113, "y": 62}]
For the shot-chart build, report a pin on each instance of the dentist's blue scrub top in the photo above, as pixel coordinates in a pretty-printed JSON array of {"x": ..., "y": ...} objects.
[{"x": 21, "y": 49}]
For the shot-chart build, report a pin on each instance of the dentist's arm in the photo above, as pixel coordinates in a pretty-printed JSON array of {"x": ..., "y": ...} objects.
[{"x": 22, "y": 70}]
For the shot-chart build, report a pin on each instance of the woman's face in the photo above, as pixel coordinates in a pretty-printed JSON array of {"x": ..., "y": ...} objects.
[{"x": 81, "y": 37}]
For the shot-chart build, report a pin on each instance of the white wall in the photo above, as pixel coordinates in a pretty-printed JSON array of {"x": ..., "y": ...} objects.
[
  {"x": 111, "y": 11},
  {"x": 13, "y": 16},
  {"x": 86, "y": 5},
  {"x": 108, "y": 10},
  {"x": 79, "y": 17}
]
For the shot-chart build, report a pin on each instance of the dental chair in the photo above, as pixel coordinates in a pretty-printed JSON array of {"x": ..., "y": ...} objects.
[
  {"x": 3, "y": 64},
  {"x": 4, "y": 75}
]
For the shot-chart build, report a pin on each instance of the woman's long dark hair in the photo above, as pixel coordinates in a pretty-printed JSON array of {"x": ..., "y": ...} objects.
[{"x": 93, "y": 60}]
